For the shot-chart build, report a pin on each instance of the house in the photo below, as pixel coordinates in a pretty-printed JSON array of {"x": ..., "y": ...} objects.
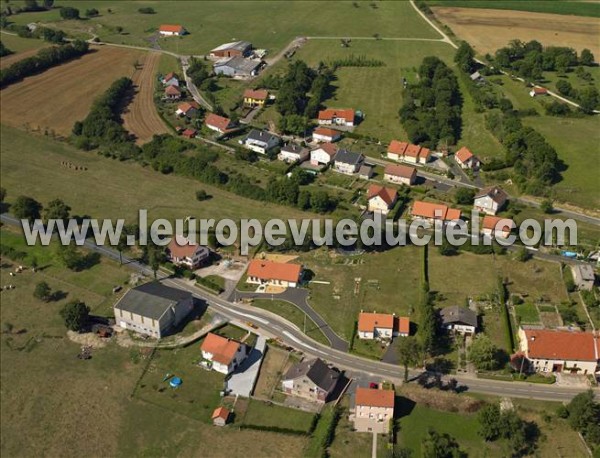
[
  {"x": 373, "y": 409},
  {"x": 365, "y": 171},
  {"x": 411, "y": 154},
  {"x": 260, "y": 141},
  {"x": 187, "y": 109},
  {"x": 311, "y": 379},
  {"x": 190, "y": 255},
  {"x": 324, "y": 134},
  {"x": 220, "y": 416},
  {"x": 172, "y": 93},
  {"x": 218, "y": 123},
  {"x": 476, "y": 77},
  {"x": 255, "y": 97},
  {"x": 338, "y": 117},
  {"x": 237, "y": 66},
  {"x": 222, "y": 354},
  {"x": 169, "y": 30},
  {"x": 490, "y": 200},
  {"x": 323, "y": 155},
  {"x": 233, "y": 49},
  {"x": 400, "y": 174},
  {"x": 347, "y": 162},
  {"x": 153, "y": 309},
  {"x": 170, "y": 79},
  {"x": 583, "y": 276},
  {"x": 263, "y": 272},
  {"x": 382, "y": 326},
  {"x": 560, "y": 351},
  {"x": 381, "y": 199},
  {"x": 538, "y": 91},
  {"x": 494, "y": 226},
  {"x": 430, "y": 211},
  {"x": 292, "y": 153},
  {"x": 460, "y": 320},
  {"x": 396, "y": 150},
  {"x": 189, "y": 133},
  {"x": 466, "y": 159}
]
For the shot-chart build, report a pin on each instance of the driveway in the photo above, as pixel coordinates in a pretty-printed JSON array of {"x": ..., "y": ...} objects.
[
  {"x": 299, "y": 297},
  {"x": 242, "y": 381}
]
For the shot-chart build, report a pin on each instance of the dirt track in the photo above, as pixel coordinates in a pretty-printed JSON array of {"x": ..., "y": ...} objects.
[
  {"x": 487, "y": 29},
  {"x": 58, "y": 97},
  {"x": 141, "y": 117}
]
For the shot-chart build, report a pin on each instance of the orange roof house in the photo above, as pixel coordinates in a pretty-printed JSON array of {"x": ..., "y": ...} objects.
[
  {"x": 464, "y": 154},
  {"x": 369, "y": 321},
  {"x": 218, "y": 123},
  {"x": 187, "y": 108},
  {"x": 397, "y": 147},
  {"x": 337, "y": 116},
  {"x": 403, "y": 325},
  {"x": 256, "y": 94},
  {"x": 538, "y": 91},
  {"x": 430, "y": 210},
  {"x": 220, "y": 416},
  {"x": 493, "y": 225},
  {"x": 171, "y": 29},
  {"x": 388, "y": 195},
  {"x": 264, "y": 271},
  {"x": 222, "y": 349},
  {"x": 401, "y": 171},
  {"x": 412, "y": 151},
  {"x": 374, "y": 398},
  {"x": 373, "y": 325},
  {"x": 324, "y": 133}
]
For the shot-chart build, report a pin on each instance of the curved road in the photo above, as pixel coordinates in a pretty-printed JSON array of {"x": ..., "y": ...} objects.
[{"x": 292, "y": 336}]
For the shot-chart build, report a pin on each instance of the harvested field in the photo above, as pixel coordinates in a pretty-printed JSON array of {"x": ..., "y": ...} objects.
[
  {"x": 488, "y": 29},
  {"x": 58, "y": 97},
  {"x": 141, "y": 118},
  {"x": 7, "y": 61}
]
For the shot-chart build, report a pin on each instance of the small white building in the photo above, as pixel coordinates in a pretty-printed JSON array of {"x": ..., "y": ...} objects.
[
  {"x": 466, "y": 159},
  {"x": 324, "y": 134},
  {"x": 490, "y": 200},
  {"x": 494, "y": 226},
  {"x": 583, "y": 275},
  {"x": 293, "y": 153},
  {"x": 336, "y": 117},
  {"x": 189, "y": 255},
  {"x": 459, "y": 319},
  {"x": 222, "y": 354},
  {"x": 261, "y": 141},
  {"x": 323, "y": 155},
  {"x": 373, "y": 410},
  {"x": 382, "y": 326},
  {"x": 170, "y": 30},
  {"x": 381, "y": 199},
  {"x": 347, "y": 162}
]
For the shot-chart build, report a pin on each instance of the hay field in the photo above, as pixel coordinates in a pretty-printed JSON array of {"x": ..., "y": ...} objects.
[
  {"x": 488, "y": 30},
  {"x": 140, "y": 117},
  {"x": 56, "y": 98}
]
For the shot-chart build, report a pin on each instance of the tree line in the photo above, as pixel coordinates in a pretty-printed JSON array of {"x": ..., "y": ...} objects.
[
  {"x": 431, "y": 112},
  {"x": 44, "y": 59},
  {"x": 4, "y": 51}
]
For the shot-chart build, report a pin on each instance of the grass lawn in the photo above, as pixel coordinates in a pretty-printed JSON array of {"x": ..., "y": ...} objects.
[
  {"x": 209, "y": 24},
  {"x": 109, "y": 192},
  {"x": 386, "y": 282},
  {"x": 577, "y": 8},
  {"x": 275, "y": 363},
  {"x": 18, "y": 44},
  {"x": 369, "y": 348},
  {"x": 293, "y": 314},
  {"x": 493, "y": 327},
  {"x": 263, "y": 414},
  {"x": 527, "y": 314},
  {"x": 346, "y": 442}
]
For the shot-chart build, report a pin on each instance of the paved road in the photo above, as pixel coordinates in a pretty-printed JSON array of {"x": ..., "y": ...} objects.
[
  {"x": 191, "y": 86},
  {"x": 292, "y": 336},
  {"x": 299, "y": 298}
]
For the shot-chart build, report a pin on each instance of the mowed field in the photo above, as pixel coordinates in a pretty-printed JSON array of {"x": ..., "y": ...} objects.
[
  {"x": 21, "y": 48},
  {"x": 488, "y": 30},
  {"x": 571, "y": 7},
  {"x": 140, "y": 117},
  {"x": 58, "y": 97},
  {"x": 270, "y": 25}
]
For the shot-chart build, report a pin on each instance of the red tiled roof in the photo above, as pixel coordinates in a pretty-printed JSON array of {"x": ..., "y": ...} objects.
[
  {"x": 425, "y": 153},
  {"x": 388, "y": 195},
  {"x": 256, "y": 94},
  {"x": 464, "y": 154},
  {"x": 182, "y": 251},
  {"x": 186, "y": 106},
  {"x": 169, "y": 76},
  {"x": 369, "y": 321},
  {"x": 540, "y": 90},
  {"x": 403, "y": 324},
  {"x": 330, "y": 113},
  {"x": 436, "y": 211},
  {"x": 412, "y": 151},
  {"x": 491, "y": 222},
  {"x": 217, "y": 121},
  {"x": 329, "y": 148},
  {"x": 222, "y": 348},
  {"x": 172, "y": 90},
  {"x": 189, "y": 133},
  {"x": 374, "y": 398},
  {"x": 561, "y": 345},
  {"x": 171, "y": 28},
  {"x": 402, "y": 171},
  {"x": 220, "y": 412},
  {"x": 326, "y": 132},
  {"x": 397, "y": 147},
  {"x": 270, "y": 270}
]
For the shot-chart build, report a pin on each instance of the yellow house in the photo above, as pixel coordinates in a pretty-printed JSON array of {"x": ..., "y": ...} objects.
[{"x": 255, "y": 97}]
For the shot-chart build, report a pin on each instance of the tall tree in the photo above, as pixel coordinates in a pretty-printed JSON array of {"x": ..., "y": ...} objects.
[
  {"x": 56, "y": 209},
  {"x": 409, "y": 353},
  {"x": 26, "y": 208},
  {"x": 75, "y": 314},
  {"x": 464, "y": 57}
]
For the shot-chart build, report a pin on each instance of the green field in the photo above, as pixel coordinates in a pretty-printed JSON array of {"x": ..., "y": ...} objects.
[
  {"x": 263, "y": 414},
  {"x": 211, "y": 23},
  {"x": 17, "y": 44},
  {"x": 573, "y": 8},
  {"x": 527, "y": 313}
]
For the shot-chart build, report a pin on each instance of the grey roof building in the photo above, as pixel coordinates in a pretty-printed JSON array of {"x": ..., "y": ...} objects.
[
  {"x": 235, "y": 48},
  {"x": 348, "y": 157},
  {"x": 237, "y": 66},
  {"x": 260, "y": 141},
  {"x": 459, "y": 319},
  {"x": 583, "y": 276},
  {"x": 153, "y": 309},
  {"x": 311, "y": 379}
]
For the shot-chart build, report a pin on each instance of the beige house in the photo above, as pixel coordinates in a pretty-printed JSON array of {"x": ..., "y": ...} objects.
[
  {"x": 264, "y": 272},
  {"x": 490, "y": 200},
  {"x": 495, "y": 226},
  {"x": 381, "y": 199},
  {"x": 373, "y": 410},
  {"x": 153, "y": 309},
  {"x": 311, "y": 379},
  {"x": 572, "y": 352},
  {"x": 466, "y": 159},
  {"x": 400, "y": 174},
  {"x": 220, "y": 416}
]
